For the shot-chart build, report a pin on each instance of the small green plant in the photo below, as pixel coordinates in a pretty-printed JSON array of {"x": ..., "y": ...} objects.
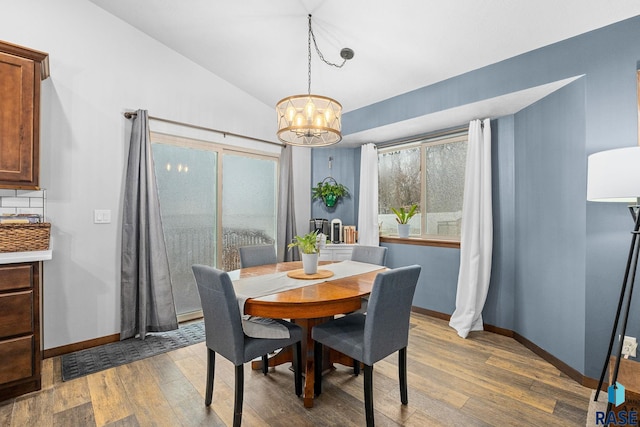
[
  {"x": 403, "y": 216},
  {"x": 329, "y": 191},
  {"x": 306, "y": 243}
]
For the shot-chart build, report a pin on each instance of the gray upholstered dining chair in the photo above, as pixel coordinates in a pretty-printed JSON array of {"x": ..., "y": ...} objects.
[
  {"x": 369, "y": 254},
  {"x": 372, "y": 337},
  {"x": 224, "y": 334},
  {"x": 251, "y": 256}
]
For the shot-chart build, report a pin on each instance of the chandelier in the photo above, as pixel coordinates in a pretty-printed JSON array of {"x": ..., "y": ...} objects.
[{"x": 311, "y": 120}]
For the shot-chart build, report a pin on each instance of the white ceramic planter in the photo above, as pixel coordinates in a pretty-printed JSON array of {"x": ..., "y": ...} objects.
[
  {"x": 310, "y": 263},
  {"x": 403, "y": 230}
]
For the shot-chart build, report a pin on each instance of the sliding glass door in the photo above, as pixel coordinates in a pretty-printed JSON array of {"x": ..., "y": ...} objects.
[
  {"x": 213, "y": 199},
  {"x": 187, "y": 188},
  {"x": 248, "y": 204}
]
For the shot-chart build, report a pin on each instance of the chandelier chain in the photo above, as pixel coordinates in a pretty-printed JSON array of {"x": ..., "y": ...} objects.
[
  {"x": 309, "y": 56},
  {"x": 312, "y": 36}
]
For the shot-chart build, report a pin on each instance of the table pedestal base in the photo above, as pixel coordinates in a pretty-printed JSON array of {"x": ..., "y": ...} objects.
[{"x": 286, "y": 356}]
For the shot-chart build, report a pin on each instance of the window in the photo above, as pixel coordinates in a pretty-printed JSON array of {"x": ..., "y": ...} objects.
[
  {"x": 430, "y": 174},
  {"x": 187, "y": 181},
  {"x": 212, "y": 200},
  {"x": 249, "y": 204}
]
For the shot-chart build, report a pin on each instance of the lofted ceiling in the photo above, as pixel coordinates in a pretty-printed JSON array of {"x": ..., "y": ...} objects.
[{"x": 261, "y": 46}]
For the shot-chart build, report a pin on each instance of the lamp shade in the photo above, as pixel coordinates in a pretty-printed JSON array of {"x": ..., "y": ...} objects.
[
  {"x": 309, "y": 120},
  {"x": 614, "y": 175}
]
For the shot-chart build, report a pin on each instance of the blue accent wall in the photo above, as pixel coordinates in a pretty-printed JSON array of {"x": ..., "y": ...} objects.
[
  {"x": 558, "y": 260},
  {"x": 345, "y": 169},
  {"x": 501, "y": 297},
  {"x": 550, "y": 177},
  {"x": 436, "y": 288}
]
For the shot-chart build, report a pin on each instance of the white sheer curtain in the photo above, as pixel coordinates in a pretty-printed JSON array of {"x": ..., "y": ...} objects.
[
  {"x": 476, "y": 240},
  {"x": 368, "y": 232}
]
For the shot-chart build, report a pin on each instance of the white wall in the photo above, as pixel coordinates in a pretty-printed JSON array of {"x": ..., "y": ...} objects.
[{"x": 101, "y": 67}]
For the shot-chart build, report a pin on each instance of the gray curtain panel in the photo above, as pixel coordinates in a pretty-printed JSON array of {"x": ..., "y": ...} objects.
[
  {"x": 286, "y": 217},
  {"x": 146, "y": 297}
]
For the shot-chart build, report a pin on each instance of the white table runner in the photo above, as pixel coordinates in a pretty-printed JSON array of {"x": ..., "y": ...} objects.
[{"x": 259, "y": 286}]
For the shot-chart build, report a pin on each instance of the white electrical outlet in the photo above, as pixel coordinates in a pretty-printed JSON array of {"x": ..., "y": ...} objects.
[{"x": 629, "y": 346}]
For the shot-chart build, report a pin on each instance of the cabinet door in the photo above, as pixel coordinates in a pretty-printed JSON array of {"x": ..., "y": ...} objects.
[
  {"x": 342, "y": 254},
  {"x": 16, "y": 313},
  {"x": 325, "y": 255},
  {"x": 16, "y": 276},
  {"x": 18, "y": 154},
  {"x": 17, "y": 359}
]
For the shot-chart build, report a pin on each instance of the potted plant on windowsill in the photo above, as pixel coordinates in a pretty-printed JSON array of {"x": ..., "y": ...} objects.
[
  {"x": 329, "y": 191},
  {"x": 402, "y": 217},
  {"x": 308, "y": 251}
]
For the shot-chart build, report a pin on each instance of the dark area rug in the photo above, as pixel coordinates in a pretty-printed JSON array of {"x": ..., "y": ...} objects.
[{"x": 84, "y": 362}]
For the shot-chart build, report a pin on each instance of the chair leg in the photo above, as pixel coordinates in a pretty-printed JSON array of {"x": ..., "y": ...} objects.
[
  {"x": 317, "y": 368},
  {"x": 237, "y": 404},
  {"x": 402, "y": 373},
  {"x": 356, "y": 367},
  {"x": 265, "y": 364},
  {"x": 211, "y": 366},
  {"x": 368, "y": 394},
  {"x": 297, "y": 368}
]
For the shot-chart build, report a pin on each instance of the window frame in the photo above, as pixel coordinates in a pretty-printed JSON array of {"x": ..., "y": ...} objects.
[
  {"x": 423, "y": 143},
  {"x": 221, "y": 150}
]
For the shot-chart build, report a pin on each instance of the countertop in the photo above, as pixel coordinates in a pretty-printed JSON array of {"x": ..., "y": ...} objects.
[{"x": 30, "y": 256}]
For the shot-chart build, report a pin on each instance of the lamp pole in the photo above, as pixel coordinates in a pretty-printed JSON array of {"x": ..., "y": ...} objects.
[{"x": 624, "y": 305}]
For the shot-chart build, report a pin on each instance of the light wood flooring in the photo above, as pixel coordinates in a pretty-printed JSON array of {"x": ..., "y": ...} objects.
[{"x": 485, "y": 380}]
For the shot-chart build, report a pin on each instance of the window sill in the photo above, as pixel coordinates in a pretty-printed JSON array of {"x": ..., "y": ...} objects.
[{"x": 421, "y": 241}]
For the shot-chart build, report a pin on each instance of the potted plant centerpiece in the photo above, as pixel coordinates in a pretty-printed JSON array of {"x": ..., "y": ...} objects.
[
  {"x": 403, "y": 216},
  {"x": 308, "y": 251},
  {"x": 329, "y": 191}
]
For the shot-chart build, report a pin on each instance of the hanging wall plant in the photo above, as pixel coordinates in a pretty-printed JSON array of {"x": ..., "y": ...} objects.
[{"x": 329, "y": 191}]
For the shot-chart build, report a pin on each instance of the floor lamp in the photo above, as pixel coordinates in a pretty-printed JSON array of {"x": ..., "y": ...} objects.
[{"x": 614, "y": 176}]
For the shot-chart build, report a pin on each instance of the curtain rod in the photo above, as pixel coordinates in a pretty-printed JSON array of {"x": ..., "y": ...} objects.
[
  {"x": 132, "y": 114},
  {"x": 444, "y": 133}
]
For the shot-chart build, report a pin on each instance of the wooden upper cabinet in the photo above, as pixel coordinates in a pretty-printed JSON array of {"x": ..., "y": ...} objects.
[{"x": 21, "y": 71}]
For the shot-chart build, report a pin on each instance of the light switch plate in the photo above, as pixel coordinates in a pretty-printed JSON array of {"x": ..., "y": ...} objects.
[{"x": 102, "y": 216}]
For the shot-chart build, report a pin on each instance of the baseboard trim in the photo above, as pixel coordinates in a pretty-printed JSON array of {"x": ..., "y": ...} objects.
[
  {"x": 562, "y": 367},
  {"x": 559, "y": 364},
  {"x": 70, "y": 348},
  {"x": 501, "y": 331},
  {"x": 431, "y": 313},
  {"x": 548, "y": 357}
]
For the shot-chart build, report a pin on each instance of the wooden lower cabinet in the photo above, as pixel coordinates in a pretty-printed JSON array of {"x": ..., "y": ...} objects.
[
  {"x": 20, "y": 346},
  {"x": 17, "y": 357}
]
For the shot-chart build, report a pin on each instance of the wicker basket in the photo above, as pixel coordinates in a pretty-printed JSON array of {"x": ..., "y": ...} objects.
[{"x": 24, "y": 237}]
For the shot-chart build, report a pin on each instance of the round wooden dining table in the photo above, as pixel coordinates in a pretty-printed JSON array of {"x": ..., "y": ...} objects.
[{"x": 308, "y": 306}]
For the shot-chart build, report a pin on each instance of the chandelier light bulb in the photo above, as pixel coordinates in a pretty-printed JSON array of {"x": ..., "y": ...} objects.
[
  {"x": 291, "y": 113},
  {"x": 310, "y": 110},
  {"x": 329, "y": 115},
  {"x": 299, "y": 120},
  {"x": 319, "y": 121}
]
